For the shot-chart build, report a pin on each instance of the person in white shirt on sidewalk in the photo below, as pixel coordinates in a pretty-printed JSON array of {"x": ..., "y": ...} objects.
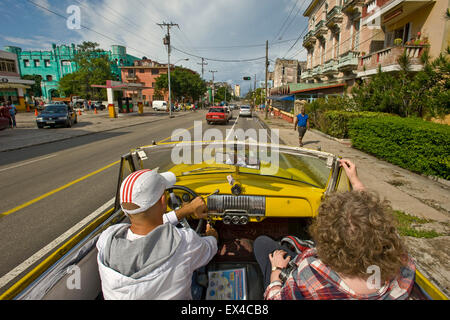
[{"x": 151, "y": 258}]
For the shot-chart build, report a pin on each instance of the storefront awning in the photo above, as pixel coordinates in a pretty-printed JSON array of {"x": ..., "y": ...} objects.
[
  {"x": 282, "y": 98},
  {"x": 13, "y": 86}
]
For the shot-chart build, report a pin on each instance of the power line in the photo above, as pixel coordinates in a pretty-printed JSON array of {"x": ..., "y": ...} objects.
[
  {"x": 293, "y": 19},
  {"x": 83, "y": 26},
  {"x": 218, "y": 60},
  {"x": 284, "y": 23}
]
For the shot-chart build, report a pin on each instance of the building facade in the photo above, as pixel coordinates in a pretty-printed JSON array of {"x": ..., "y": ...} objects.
[
  {"x": 12, "y": 87},
  {"x": 286, "y": 71},
  {"x": 54, "y": 64},
  {"x": 146, "y": 72},
  {"x": 350, "y": 39},
  {"x": 237, "y": 90}
]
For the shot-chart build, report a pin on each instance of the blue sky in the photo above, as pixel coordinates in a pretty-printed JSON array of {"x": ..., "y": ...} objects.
[{"x": 213, "y": 29}]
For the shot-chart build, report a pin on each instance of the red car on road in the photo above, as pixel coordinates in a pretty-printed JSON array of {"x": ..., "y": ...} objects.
[{"x": 217, "y": 114}]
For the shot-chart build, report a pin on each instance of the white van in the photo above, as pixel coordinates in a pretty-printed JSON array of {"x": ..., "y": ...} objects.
[{"x": 159, "y": 105}]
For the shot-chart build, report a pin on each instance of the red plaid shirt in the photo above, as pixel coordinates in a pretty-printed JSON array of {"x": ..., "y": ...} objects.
[{"x": 313, "y": 280}]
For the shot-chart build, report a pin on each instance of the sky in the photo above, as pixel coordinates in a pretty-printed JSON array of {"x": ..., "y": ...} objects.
[{"x": 212, "y": 29}]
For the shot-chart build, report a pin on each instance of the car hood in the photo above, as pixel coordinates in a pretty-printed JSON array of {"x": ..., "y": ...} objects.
[{"x": 53, "y": 115}]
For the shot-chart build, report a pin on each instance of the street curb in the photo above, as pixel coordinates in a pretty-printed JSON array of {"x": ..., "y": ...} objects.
[
  {"x": 347, "y": 142},
  {"x": 81, "y": 135},
  {"x": 267, "y": 127}
]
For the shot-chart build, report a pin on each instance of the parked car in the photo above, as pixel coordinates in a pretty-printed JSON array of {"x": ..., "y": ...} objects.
[
  {"x": 159, "y": 105},
  {"x": 98, "y": 105},
  {"x": 217, "y": 114},
  {"x": 245, "y": 111},
  {"x": 56, "y": 115}
]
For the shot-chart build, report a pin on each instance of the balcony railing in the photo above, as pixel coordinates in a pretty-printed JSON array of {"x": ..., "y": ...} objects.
[
  {"x": 350, "y": 6},
  {"x": 335, "y": 11},
  {"x": 320, "y": 30},
  {"x": 317, "y": 71},
  {"x": 389, "y": 56},
  {"x": 309, "y": 39},
  {"x": 348, "y": 61},
  {"x": 306, "y": 74},
  {"x": 330, "y": 67}
]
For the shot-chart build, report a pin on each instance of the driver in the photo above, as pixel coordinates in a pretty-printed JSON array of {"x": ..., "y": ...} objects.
[{"x": 151, "y": 258}]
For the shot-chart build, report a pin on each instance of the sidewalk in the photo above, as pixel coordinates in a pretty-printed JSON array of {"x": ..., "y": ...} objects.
[
  {"x": 408, "y": 192},
  {"x": 27, "y": 134}
]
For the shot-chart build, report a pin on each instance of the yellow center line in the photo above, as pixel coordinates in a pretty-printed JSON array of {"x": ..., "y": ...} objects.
[{"x": 26, "y": 204}]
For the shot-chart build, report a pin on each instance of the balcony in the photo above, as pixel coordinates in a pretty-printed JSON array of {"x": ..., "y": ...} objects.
[
  {"x": 348, "y": 61},
  {"x": 321, "y": 29},
  {"x": 317, "y": 72},
  {"x": 306, "y": 74},
  {"x": 391, "y": 11},
  {"x": 330, "y": 67},
  {"x": 309, "y": 40},
  {"x": 387, "y": 59},
  {"x": 334, "y": 17},
  {"x": 351, "y": 7}
]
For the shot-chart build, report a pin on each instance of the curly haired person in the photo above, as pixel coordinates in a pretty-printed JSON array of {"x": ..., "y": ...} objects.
[{"x": 358, "y": 253}]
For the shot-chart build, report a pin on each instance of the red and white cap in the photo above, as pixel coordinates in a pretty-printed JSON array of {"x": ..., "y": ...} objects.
[{"x": 144, "y": 188}]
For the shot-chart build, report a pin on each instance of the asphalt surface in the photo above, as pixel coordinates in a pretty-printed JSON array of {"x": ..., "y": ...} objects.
[{"x": 49, "y": 188}]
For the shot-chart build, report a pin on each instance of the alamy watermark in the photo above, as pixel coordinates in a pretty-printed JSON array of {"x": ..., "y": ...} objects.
[
  {"x": 73, "y": 22},
  {"x": 249, "y": 148}
]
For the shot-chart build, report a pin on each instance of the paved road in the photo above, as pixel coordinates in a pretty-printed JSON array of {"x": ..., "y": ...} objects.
[{"x": 31, "y": 218}]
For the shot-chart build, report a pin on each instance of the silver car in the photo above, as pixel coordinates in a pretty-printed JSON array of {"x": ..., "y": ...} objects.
[{"x": 245, "y": 111}]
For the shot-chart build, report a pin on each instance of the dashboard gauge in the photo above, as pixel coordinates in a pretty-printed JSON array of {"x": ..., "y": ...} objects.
[{"x": 186, "y": 197}]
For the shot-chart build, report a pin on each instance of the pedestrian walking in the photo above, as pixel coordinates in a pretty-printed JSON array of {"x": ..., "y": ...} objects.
[
  {"x": 12, "y": 111},
  {"x": 301, "y": 123}
]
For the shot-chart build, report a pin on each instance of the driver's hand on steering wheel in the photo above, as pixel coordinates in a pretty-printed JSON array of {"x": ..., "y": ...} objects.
[{"x": 198, "y": 208}]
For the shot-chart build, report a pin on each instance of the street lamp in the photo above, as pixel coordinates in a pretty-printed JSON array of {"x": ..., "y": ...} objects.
[{"x": 168, "y": 74}]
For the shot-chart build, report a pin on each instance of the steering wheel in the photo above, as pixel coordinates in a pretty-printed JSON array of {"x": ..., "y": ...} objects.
[{"x": 176, "y": 205}]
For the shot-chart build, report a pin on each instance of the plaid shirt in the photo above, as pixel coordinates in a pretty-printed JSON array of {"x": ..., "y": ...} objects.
[{"x": 313, "y": 280}]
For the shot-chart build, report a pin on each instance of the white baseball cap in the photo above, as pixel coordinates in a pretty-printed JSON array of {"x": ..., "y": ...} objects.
[{"x": 144, "y": 188}]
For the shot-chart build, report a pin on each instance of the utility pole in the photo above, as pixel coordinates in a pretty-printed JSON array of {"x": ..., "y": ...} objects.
[
  {"x": 203, "y": 64},
  {"x": 167, "y": 42},
  {"x": 267, "y": 74},
  {"x": 213, "y": 71}
]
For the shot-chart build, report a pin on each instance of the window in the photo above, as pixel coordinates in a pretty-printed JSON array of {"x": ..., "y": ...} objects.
[
  {"x": 141, "y": 70},
  {"x": 8, "y": 65},
  {"x": 47, "y": 63},
  {"x": 155, "y": 71},
  {"x": 37, "y": 63},
  {"x": 131, "y": 72},
  {"x": 26, "y": 62}
]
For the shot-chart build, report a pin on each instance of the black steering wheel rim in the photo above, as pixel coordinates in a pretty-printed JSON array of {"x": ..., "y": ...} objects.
[{"x": 194, "y": 195}]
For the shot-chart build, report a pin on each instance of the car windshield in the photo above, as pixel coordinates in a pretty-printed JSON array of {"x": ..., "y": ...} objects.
[
  {"x": 55, "y": 109},
  {"x": 222, "y": 110},
  {"x": 245, "y": 107},
  {"x": 310, "y": 167}
]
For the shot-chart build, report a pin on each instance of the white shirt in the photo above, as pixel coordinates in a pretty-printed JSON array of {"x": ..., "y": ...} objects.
[{"x": 170, "y": 281}]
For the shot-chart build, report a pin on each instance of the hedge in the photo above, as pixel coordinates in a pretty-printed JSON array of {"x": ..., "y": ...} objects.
[
  {"x": 411, "y": 143},
  {"x": 336, "y": 123}
]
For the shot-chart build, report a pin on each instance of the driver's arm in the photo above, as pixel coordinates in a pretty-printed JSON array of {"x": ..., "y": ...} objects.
[{"x": 196, "y": 207}]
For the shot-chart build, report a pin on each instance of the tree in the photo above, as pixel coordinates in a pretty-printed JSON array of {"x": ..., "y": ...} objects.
[
  {"x": 35, "y": 89},
  {"x": 93, "y": 67},
  {"x": 183, "y": 84}
]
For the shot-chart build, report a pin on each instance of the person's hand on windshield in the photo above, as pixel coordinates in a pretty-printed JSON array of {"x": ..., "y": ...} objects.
[{"x": 350, "y": 170}]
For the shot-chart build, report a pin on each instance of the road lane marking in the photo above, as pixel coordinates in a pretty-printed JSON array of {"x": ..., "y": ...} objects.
[
  {"x": 232, "y": 128},
  {"x": 28, "y": 162},
  {"x": 26, "y": 204},
  {"x": 55, "y": 243},
  {"x": 3, "y": 214}
]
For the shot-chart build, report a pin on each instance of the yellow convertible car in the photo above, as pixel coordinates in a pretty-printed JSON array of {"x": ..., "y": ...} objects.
[{"x": 251, "y": 189}]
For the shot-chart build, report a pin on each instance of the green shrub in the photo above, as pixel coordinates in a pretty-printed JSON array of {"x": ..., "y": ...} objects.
[
  {"x": 336, "y": 123},
  {"x": 411, "y": 143}
]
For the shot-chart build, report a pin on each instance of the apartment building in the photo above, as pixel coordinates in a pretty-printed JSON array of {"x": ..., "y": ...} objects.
[
  {"x": 12, "y": 86},
  {"x": 349, "y": 39},
  {"x": 146, "y": 72}
]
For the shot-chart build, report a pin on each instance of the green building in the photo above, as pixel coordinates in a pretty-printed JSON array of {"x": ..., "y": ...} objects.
[{"x": 54, "y": 64}]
